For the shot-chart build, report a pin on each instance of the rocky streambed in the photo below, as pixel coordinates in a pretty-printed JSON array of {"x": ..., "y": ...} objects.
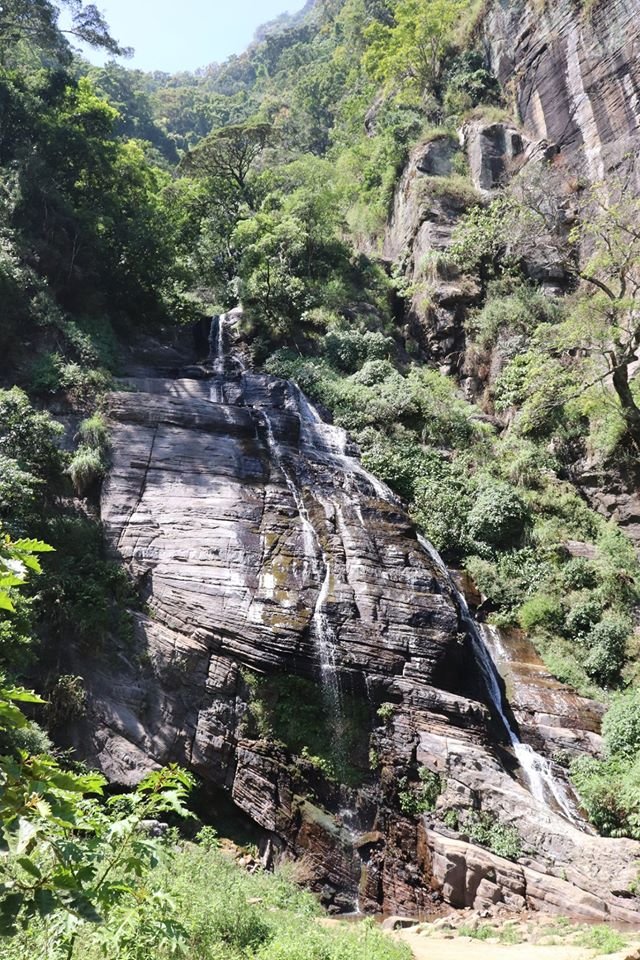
[{"x": 286, "y": 595}]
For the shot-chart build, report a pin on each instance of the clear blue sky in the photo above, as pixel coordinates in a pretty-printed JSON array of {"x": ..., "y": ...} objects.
[{"x": 185, "y": 34}]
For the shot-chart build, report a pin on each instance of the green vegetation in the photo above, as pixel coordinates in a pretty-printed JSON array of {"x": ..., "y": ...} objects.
[
  {"x": 501, "y": 838},
  {"x": 603, "y": 939},
  {"x": 292, "y": 711},
  {"x": 421, "y": 797},
  {"x": 129, "y": 201},
  {"x": 198, "y": 903}
]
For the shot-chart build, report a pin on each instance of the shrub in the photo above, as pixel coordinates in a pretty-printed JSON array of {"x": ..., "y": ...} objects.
[
  {"x": 606, "y": 643},
  {"x": 374, "y": 372},
  {"x": 579, "y": 573},
  {"x": 498, "y": 516},
  {"x": 348, "y": 350},
  {"x": 582, "y": 617},
  {"x": 442, "y": 417},
  {"x": 417, "y": 799},
  {"x": 621, "y": 725},
  {"x": 93, "y": 432},
  {"x": 87, "y": 466},
  {"x": 510, "y": 577},
  {"x": 541, "y": 611},
  {"x": 520, "y": 312},
  {"x": 503, "y": 839},
  {"x": 610, "y": 793},
  {"x": 603, "y": 939},
  {"x": 441, "y": 508}
]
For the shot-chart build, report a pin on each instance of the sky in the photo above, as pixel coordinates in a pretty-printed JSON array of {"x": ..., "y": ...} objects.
[{"x": 177, "y": 35}]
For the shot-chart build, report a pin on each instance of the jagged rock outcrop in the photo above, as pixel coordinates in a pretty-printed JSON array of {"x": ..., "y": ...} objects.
[
  {"x": 428, "y": 203},
  {"x": 497, "y": 151},
  {"x": 258, "y": 543},
  {"x": 574, "y": 72}
]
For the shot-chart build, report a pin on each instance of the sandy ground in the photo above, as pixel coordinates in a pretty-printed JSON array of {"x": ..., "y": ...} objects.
[{"x": 464, "y": 948}]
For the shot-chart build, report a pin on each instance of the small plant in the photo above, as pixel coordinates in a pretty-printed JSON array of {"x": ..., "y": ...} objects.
[
  {"x": 481, "y": 932},
  {"x": 603, "y": 939},
  {"x": 451, "y": 819},
  {"x": 385, "y": 711},
  {"x": 93, "y": 432},
  {"x": 414, "y": 801},
  {"x": 87, "y": 466},
  {"x": 67, "y": 700},
  {"x": 501, "y": 838}
]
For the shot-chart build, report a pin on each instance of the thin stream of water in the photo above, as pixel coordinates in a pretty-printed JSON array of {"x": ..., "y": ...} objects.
[{"x": 536, "y": 769}]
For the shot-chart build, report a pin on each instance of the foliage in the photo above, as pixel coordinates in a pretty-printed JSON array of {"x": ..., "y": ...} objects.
[
  {"x": 621, "y": 725},
  {"x": 602, "y": 938},
  {"x": 502, "y": 838},
  {"x": 498, "y": 516},
  {"x": 292, "y": 711},
  {"x": 416, "y": 799},
  {"x": 412, "y": 49}
]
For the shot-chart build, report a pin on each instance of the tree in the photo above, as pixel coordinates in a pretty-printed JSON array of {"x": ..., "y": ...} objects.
[
  {"x": 36, "y": 22},
  {"x": 412, "y": 48},
  {"x": 592, "y": 237},
  {"x": 230, "y": 154}
]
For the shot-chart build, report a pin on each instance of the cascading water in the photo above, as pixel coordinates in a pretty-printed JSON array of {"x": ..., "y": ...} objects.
[
  {"x": 536, "y": 770},
  {"x": 216, "y": 355},
  {"x": 334, "y": 440},
  {"x": 324, "y": 637},
  {"x": 321, "y": 437}
]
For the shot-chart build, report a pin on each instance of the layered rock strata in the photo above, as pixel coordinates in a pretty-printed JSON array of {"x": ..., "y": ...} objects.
[
  {"x": 574, "y": 72},
  {"x": 260, "y": 546}
]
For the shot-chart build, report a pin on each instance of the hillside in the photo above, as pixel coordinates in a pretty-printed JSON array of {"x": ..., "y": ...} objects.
[{"x": 359, "y": 555}]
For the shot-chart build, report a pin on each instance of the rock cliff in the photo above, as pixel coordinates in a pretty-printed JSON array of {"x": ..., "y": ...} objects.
[
  {"x": 267, "y": 557},
  {"x": 574, "y": 73}
]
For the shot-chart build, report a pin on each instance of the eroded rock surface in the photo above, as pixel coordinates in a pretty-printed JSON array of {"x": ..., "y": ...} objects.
[
  {"x": 575, "y": 73},
  {"x": 260, "y": 545}
]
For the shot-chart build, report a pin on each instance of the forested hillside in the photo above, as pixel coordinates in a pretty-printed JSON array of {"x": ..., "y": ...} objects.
[{"x": 445, "y": 286}]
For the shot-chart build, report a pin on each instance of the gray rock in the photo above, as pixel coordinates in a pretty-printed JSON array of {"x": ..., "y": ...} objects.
[{"x": 250, "y": 529}]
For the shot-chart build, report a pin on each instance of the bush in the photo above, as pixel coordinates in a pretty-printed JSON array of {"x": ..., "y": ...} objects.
[
  {"x": 93, "y": 432},
  {"x": 503, "y": 839},
  {"x": 87, "y": 466},
  {"x": 519, "y": 313},
  {"x": 441, "y": 509},
  {"x": 621, "y": 725},
  {"x": 509, "y": 578},
  {"x": 416, "y": 799},
  {"x": 374, "y": 372},
  {"x": 610, "y": 793},
  {"x": 541, "y": 611},
  {"x": 606, "y": 644},
  {"x": 499, "y": 516},
  {"x": 348, "y": 350},
  {"x": 582, "y": 617},
  {"x": 579, "y": 573}
]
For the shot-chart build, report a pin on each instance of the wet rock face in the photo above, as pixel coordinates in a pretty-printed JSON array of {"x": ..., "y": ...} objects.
[
  {"x": 259, "y": 544},
  {"x": 576, "y": 76}
]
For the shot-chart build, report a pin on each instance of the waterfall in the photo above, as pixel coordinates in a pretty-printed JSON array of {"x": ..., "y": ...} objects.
[
  {"x": 536, "y": 769},
  {"x": 323, "y": 634},
  {"x": 334, "y": 441},
  {"x": 216, "y": 354},
  {"x": 213, "y": 337}
]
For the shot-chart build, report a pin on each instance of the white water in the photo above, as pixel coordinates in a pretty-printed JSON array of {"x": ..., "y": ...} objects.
[
  {"x": 324, "y": 637},
  {"x": 216, "y": 354},
  {"x": 334, "y": 441},
  {"x": 536, "y": 769}
]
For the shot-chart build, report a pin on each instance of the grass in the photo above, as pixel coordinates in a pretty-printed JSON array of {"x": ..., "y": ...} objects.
[
  {"x": 602, "y": 938},
  {"x": 226, "y": 914}
]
